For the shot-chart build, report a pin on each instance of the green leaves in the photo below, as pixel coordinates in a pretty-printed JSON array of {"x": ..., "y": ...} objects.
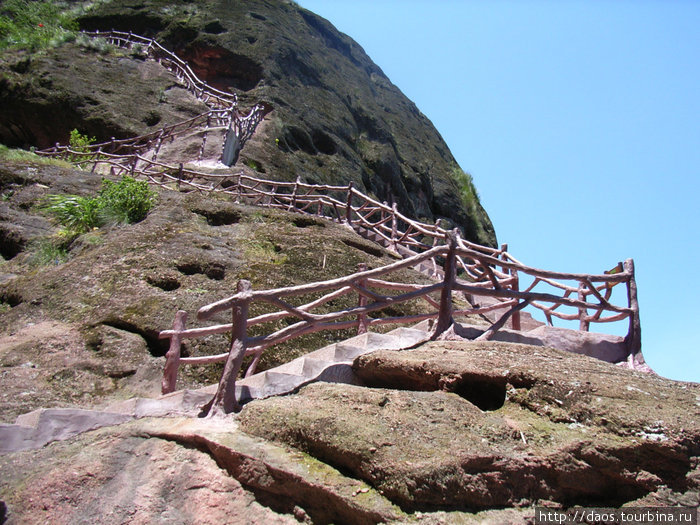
[
  {"x": 33, "y": 24},
  {"x": 467, "y": 191},
  {"x": 124, "y": 202},
  {"x": 77, "y": 214}
]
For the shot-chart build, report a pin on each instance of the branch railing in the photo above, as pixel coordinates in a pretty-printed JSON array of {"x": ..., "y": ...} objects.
[
  {"x": 370, "y": 288},
  {"x": 223, "y": 115},
  {"x": 213, "y": 119},
  {"x": 203, "y": 91}
]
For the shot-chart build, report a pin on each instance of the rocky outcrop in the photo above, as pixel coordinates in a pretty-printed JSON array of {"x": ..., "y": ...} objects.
[
  {"x": 457, "y": 425},
  {"x": 335, "y": 117},
  {"x": 84, "y": 331}
]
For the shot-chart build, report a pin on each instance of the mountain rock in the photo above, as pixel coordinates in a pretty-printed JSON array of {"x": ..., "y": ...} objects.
[{"x": 333, "y": 116}]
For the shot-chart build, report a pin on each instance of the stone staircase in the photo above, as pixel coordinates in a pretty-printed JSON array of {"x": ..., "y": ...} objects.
[{"x": 332, "y": 364}]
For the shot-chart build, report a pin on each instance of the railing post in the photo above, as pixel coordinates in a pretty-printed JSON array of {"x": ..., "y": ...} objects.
[
  {"x": 362, "y": 301},
  {"x": 394, "y": 227},
  {"x": 293, "y": 202},
  {"x": 515, "y": 320},
  {"x": 224, "y": 401},
  {"x": 583, "y": 325},
  {"x": 348, "y": 206},
  {"x": 436, "y": 239},
  {"x": 180, "y": 169},
  {"x": 634, "y": 336},
  {"x": 515, "y": 285},
  {"x": 445, "y": 315},
  {"x": 172, "y": 357}
]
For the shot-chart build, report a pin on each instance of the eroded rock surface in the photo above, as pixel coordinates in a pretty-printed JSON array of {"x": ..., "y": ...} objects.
[
  {"x": 552, "y": 428},
  {"x": 121, "y": 477},
  {"x": 335, "y": 116},
  {"x": 83, "y": 331}
]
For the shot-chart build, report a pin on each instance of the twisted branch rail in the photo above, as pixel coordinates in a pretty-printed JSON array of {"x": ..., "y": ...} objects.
[
  {"x": 409, "y": 238},
  {"x": 224, "y": 113},
  {"x": 365, "y": 283}
]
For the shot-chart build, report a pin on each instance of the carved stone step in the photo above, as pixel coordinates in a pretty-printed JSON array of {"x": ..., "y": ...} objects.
[
  {"x": 348, "y": 352},
  {"x": 277, "y": 383}
]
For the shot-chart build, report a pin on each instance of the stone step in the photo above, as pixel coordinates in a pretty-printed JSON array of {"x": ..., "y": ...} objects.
[
  {"x": 348, "y": 352},
  {"x": 37, "y": 428},
  {"x": 278, "y": 383},
  {"x": 332, "y": 363},
  {"x": 313, "y": 367}
]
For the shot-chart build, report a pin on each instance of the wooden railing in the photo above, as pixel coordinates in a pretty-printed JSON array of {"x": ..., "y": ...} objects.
[
  {"x": 483, "y": 271},
  {"x": 590, "y": 303},
  {"x": 224, "y": 113},
  {"x": 152, "y": 49}
]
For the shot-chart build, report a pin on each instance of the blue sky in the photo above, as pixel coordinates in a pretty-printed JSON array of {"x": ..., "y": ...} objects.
[{"x": 580, "y": 124}]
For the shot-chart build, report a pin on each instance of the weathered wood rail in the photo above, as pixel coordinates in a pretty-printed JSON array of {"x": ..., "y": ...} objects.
[
  {"x": 588, "y": 303},
  {"x": 223, "y": 115},
  {"x": 456, "y": 264},
  {"x": 152, "y": 49}
]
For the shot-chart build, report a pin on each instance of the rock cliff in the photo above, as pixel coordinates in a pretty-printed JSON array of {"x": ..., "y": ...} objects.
[
  {"x": 334, "y": 116},
  {"x": 446, "y": 432}
]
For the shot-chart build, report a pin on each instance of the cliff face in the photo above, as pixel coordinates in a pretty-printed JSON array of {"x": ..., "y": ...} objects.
[{"x": 335, "y": 117}]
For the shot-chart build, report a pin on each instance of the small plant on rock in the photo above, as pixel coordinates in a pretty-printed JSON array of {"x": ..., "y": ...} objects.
[
  {"x": 79, "y": 143},
  {"x": 123, "y": 202},
  {"x": 126, "y": 201},
  {"x": 467, "y": 191},
  {"x": 76, "y": 214},
  {"x": 34, "y": 24}
]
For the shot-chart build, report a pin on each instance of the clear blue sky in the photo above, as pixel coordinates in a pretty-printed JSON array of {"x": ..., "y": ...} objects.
[{"x": 580, "y": 123}]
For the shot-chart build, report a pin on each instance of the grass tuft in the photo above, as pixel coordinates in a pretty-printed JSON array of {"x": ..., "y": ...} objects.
[{"x": 34, "y": 25}]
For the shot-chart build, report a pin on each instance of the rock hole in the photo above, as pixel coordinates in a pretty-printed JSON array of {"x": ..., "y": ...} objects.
[
  {"x": 305, "y": 222},
  {"x": 10, "y": 298},
  {"x": 486, "y": 393},
  {"x": 257, "y": 16},
  {"x": 370, "y": 250},
  {"x": 11, "y": 243},
  {"x": 156, "y": 347},
  {"x": 214, "y": 28},
  {"x": 167, "y": 283},
  {"x": 251, "y": 39},
  {"x": 215, "y": 271},
  {"x": 190, "y": 268},
  {"x": 222, "y": 68},
  {"x": 219, "y": 217},
  {"x": 152, "y": 118},
  {"x": 295, "y": 139},
  {"x": 323, "y": 142}
]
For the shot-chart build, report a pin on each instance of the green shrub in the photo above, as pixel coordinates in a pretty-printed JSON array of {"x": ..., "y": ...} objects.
[
  {"x": 80, "y": 144},
  {"x": 123, "y": 202},
  {"x": 467, "y": 191},
  {"x": 34, "y": 24},
  {"x": 126, "y": 201},
  {"x": 76, "y": 214}
]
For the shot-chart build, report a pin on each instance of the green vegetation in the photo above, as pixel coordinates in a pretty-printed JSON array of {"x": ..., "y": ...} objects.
[
  {"x": 126, "y": 201},
  {"x": 49, "y": 251},
  {"x": 34, "y": 25},
  {"x": 101, "y": 45},
  {"x": 27, "y": 156},
  {"x": 76, "y": 214},
  {"x": 467, "y": 191},
  {"x": 123, "y": 202},
  {"x": 80, "y": 144}
]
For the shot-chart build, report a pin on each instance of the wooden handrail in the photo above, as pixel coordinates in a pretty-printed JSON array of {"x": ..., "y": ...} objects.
[
  {"x": 510, "y": 299},
  {"x": 491, "y": 272}
]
